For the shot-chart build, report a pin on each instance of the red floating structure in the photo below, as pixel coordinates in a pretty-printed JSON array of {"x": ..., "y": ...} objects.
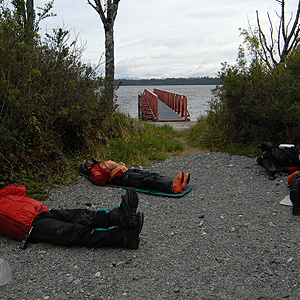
[{"x": 162, "y": 106}]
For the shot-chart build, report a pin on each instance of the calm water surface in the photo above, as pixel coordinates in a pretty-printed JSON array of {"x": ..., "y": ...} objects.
[{"x": 197, "y": 98}]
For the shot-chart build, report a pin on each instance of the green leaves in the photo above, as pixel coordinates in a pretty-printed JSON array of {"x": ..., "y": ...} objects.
[{"x": 49, "y": 100}]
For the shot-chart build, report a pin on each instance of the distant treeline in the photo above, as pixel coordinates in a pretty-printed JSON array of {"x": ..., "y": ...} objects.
[{"x": 170, "y": 81}]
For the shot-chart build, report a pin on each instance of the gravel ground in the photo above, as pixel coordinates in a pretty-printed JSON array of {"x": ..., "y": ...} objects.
[{"x": 227, "y": 239}]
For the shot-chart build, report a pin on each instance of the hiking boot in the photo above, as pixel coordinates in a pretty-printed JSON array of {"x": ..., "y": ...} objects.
[
  {"x": 125, "y": 215},
  {"x": 186, "y": 180},
  {"x": 133, "y": 239},
  {"x": 176, "y": 187}
]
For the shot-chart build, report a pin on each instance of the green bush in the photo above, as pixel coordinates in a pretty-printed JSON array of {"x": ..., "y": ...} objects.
[
  {"x": 256, "y": 103},
  {"x": 50, "y": 103}
]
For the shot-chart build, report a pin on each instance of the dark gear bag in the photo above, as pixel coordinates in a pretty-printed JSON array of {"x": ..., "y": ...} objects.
[{"x": 274, "y": 159}]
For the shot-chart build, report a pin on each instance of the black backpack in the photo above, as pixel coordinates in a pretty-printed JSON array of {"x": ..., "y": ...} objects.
[{"x": 274, "y": 159}]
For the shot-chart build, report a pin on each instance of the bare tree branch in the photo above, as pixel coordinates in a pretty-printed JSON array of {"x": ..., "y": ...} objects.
[
  {"x": 279, "y": 37},
  {"x": 263, "y": 42},
  {"x": 271, "y": 48},
  {"x": 99, "y": 9},
  {"x": 287, "y": 39},
  {"x": 293, "y": 33},
  {"x": 284, "y": 33}
]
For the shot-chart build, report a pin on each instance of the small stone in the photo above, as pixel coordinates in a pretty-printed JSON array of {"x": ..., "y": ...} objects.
[
  {"x": 120, "y": 263},
  {"x": 76, "y": 282}
]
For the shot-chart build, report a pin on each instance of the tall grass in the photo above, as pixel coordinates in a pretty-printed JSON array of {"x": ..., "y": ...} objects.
[
  {"x": 205, "y": 136},
  {"x": 135, "y": 142}
]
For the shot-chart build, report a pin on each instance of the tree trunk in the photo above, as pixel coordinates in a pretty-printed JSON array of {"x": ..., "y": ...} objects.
[
  {"x": 30, "y": 14},
  {"x": 108, "y": 13},
  {"x": 109, "y": 65}
]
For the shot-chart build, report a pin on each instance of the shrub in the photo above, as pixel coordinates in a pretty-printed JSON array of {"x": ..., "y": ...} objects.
[
  {"x": 256, "y": 104},
  {"x": 50, "y": 102}
]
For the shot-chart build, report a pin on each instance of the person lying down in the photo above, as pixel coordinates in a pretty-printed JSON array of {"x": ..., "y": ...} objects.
[{"x": 102, "y": 173}]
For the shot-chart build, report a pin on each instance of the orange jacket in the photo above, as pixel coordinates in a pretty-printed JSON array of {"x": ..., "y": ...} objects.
[
  {"x": 17, "y": 211},
  {"x": 101, "y": 174}
]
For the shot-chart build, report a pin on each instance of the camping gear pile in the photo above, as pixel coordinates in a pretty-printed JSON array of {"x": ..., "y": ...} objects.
[{"x": 283, "y": 158}]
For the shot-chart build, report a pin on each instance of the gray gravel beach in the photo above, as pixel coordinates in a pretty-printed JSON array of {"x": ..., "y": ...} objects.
[{"x": 227, "y": 239}]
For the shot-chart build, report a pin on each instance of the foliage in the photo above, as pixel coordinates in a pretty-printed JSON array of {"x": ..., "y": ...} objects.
[
  {"x": 134, "y": 142},
  {"x": 256, "y": 102},
  {"x": 205, "y": 137},
  {"x": 50, "y": 103}
]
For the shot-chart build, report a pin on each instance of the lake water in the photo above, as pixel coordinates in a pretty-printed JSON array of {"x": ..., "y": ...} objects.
[{"x": 198, "y": 97}]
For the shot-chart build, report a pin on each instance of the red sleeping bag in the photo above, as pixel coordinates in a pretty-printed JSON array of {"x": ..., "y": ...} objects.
[{"x": 17, "y": 211}]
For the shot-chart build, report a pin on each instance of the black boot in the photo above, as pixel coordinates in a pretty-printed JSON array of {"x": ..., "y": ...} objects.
[
  {"x": 132, "y": 234},
  {"x": 117, "y": 236},
  {"x": 125, "y": 215}
]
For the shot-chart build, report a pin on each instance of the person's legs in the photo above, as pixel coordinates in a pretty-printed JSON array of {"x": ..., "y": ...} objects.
[
  {"x": 143, "y": 179},
  {"x": 123, "y": 215},
  {"x": 158, "y": 182},
  {"x": 118, "y": 237},
  {"x": 47, "y": 229},
  {"x": 78, "y": 216},
  {"x": 131, "y": 178},
  {"x": 82, "y": 227}
]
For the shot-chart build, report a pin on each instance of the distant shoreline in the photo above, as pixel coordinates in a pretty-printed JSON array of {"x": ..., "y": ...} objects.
[{"x": 169, "y": 81}]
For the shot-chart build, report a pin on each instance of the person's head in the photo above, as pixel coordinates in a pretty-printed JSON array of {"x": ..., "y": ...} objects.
[{"x": 86, "y": 166}]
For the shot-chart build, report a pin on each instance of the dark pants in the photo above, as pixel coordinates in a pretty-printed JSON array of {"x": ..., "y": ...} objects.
[
  {"x": 77, "y": 227},
  {"x": 143, "y": 179}
]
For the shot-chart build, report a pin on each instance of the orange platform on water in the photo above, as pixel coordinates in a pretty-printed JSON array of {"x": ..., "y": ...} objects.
[{"x": 162, "y": 106}]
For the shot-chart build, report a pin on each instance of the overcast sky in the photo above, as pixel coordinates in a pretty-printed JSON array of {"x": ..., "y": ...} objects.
[{"x": 167, "y": 38}]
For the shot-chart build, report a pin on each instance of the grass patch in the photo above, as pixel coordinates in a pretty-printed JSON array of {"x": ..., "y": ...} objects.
[
  {"x": 137, "y": 142},
  {"x": 203, "y": 136}
]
